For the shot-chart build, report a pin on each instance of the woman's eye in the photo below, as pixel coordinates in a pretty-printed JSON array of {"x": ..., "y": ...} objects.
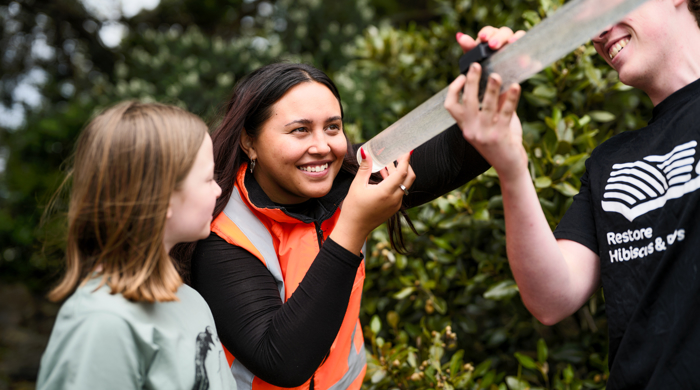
[
  {"x": 334, "y": 127},
  {"x": 299, "y": 130}
]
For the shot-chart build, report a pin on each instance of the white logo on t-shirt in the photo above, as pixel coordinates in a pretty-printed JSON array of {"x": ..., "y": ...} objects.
[{"x": 636, "y": 188}]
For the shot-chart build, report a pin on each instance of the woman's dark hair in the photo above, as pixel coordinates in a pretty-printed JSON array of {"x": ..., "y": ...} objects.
[{"x": 247, "y": 110}]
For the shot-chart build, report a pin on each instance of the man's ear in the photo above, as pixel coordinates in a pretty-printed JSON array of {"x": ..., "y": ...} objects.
[{"x": 247, "y": 146}]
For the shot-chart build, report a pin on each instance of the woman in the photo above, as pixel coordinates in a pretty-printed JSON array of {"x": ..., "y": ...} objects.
[{"x": 282, "y": 270}]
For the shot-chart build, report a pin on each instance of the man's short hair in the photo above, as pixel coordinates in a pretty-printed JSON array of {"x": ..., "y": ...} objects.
[{"x": 694, "y": 7}]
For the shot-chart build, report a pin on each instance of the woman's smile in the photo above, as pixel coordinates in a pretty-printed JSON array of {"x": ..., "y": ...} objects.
[{"x": 315, "y": 169}]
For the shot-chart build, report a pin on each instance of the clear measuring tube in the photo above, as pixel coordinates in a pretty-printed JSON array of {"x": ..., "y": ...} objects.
[
  {"x": 420, "y": 125},
  {"x": 571, "y": 25}
]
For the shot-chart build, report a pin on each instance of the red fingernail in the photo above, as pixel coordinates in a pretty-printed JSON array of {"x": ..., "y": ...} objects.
[
  {"x": 459, "y": 35},
  {"x": 362, "y": 152},
  {"x": 493, "y": 43},
  {"x": 411, "y": 153}
]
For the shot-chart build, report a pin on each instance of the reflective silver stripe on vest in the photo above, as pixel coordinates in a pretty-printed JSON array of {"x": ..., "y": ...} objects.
[
  {"x": 239, "y": 213},
  {"x": 356, "y": 362},
  {"x": 243, "y": 377}
]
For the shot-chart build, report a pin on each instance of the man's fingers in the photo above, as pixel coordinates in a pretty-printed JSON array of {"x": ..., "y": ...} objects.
[
  {"x": 511, "y": 102},
  {"x": 453, "y": 92},
  {"x": 502, "y": 99},
  {"x": 489, "y": 105},
  {"x": 470, "y": 97}
]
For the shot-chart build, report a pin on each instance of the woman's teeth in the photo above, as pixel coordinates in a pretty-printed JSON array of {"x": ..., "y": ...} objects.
[
  {"x": 317, "y": 168},
  {"x": 618, "y": 47}
]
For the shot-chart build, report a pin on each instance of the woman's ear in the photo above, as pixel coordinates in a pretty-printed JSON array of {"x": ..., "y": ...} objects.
[{"x": 247, "y": 146}]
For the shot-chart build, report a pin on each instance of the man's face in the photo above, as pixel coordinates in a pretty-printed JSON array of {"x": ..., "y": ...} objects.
[{"x": 640, "y": 47}]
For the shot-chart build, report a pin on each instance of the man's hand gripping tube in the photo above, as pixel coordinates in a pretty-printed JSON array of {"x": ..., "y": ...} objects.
[
  {"x": 478, "y": 54},
  {"x": 424, "y": 122}
]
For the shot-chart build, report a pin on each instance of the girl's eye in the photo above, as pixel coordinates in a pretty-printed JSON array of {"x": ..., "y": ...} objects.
[
  {"x": 334, "y": 127},
  {"x": 299, "y": 130}
]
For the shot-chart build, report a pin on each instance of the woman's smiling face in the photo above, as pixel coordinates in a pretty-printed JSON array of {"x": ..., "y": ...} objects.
[{"x": 300, "y": 149}]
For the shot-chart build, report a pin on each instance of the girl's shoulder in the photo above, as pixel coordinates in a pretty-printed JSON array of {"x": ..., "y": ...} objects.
[
  {"x": 116, "y": 343},
  {"x": 92, "y": 302}
]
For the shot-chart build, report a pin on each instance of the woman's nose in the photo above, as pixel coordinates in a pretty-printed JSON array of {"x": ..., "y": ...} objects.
[{"x": 320, "y": 143}]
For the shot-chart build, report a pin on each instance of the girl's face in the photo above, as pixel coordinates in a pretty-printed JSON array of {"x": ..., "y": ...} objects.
[
  {"x": 300, "y": 149},
  {"x": 191, "y": 206}
]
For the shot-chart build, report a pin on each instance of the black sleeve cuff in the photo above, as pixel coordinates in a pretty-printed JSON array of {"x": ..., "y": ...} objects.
[{"x": 335, "y": 251}]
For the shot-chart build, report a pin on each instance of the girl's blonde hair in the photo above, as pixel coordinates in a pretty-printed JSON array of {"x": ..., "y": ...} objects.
[{"x": 128, "y": 161}]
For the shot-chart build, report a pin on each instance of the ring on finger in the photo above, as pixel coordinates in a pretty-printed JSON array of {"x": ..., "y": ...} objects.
[{"x": 404, "y": 189}]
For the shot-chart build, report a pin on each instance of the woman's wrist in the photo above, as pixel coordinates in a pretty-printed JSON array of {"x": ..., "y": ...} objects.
[{"x": 348, "y": 235}]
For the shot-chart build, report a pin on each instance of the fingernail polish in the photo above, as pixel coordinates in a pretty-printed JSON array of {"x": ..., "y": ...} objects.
[
  {"x": 411, "y": 154},
  {"x": 362, "y": 152},
  {"x": 493, "y": 43},
  {"x": 459, "y": 35}
]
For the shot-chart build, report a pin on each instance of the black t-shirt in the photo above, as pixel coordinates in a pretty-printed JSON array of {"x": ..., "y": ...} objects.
[{"x": 638, "y": 210}]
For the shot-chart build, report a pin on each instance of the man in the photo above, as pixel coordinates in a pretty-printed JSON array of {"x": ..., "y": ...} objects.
[{"x": 634, "y": 225}]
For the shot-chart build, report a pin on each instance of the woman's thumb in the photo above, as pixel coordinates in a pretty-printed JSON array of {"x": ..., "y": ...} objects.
[{"x": 365, "y": 169}]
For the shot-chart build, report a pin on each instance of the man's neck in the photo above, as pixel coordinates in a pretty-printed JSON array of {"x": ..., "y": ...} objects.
[
  {"x": 683, "y": 64},
  {"x": 684, "y": 71}
]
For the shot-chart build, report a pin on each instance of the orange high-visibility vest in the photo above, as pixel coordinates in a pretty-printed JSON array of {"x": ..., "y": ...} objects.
[{"x": 287, "y": 247}]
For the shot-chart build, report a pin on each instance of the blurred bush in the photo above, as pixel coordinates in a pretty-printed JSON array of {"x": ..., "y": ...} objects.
[{"x": 446, "y": 316}]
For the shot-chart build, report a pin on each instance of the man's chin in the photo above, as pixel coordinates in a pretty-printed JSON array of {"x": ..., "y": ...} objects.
[{"x": 629, "y": 79}]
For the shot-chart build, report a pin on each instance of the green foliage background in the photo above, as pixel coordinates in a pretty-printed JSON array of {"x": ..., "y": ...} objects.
[{"x": 449, "y": 314}]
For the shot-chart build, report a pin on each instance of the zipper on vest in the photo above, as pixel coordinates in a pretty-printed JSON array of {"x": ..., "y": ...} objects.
[{"x": 319, "y": 234}]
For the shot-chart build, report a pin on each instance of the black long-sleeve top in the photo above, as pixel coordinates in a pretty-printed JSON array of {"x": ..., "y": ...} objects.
[{"x": 284, "y": 343}]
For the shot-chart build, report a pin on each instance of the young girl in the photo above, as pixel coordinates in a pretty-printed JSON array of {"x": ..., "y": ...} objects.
[{"x": 143, "y": 181}]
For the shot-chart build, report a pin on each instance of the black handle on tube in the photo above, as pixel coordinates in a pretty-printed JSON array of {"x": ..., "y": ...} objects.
[{"x": 478, "y": 54}]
